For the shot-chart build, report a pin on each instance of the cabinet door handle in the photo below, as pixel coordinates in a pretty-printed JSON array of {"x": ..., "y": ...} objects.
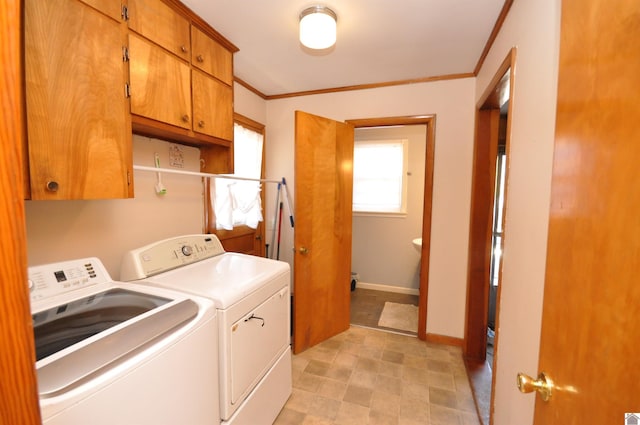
[
  {"x": 183, "y": 48},
  {"x": 199, "y": 58},
  {"x": 200, "y": 123},
  {"x": 185, "y": 118}
]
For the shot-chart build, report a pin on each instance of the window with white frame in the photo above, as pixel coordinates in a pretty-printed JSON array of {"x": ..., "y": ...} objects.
[{"x": 379, "y": 176}]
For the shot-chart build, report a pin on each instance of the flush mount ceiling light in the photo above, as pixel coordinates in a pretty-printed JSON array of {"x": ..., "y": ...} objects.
[{"x": 318, "y": 27}]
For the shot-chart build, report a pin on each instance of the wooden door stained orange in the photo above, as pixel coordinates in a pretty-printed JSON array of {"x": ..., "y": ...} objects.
[
  {"x": 322, "y": 240},
  {"x": 591, "y": 328},
  {"x": 18, "y": 386}
]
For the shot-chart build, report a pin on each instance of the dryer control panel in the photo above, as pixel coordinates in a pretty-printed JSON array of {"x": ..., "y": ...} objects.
[
  {"x": 48, "y": 280},
  {"x": 168, "y": 254}
]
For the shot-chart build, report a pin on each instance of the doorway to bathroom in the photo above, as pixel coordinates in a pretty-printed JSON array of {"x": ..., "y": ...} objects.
[
  {"x": 390, "y": 276},
  {"x": 487, "y": 234}
]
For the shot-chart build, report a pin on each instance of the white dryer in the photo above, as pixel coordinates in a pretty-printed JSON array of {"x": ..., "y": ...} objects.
[
  {"x": 252, "y": 298},
  {"x": 114, "y": 353}
]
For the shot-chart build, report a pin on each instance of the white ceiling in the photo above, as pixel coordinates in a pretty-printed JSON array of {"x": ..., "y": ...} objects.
[{"x": 378, "y": 40}]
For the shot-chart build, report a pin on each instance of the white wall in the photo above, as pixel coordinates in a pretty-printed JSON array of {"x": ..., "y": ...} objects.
[
  {"x": 453, "y": 103},
  {"x": 64, "y": 230},
  {"x": 382, "y": 252},
  {"x": 249, "y": 104},
  {"x": 533, "y": 27}
]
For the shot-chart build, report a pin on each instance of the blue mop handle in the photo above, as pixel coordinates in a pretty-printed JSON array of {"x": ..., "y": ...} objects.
[{"x": 286, "y": 189}]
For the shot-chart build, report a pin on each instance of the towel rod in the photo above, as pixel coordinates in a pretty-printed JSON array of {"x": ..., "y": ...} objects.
[{"x": 208, "y": 175}]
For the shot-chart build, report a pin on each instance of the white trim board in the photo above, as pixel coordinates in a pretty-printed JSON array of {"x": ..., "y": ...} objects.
[{"x": 387, "y": 288}]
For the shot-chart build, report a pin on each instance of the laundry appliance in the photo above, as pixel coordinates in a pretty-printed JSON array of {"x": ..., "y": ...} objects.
[
  {"x": 115, "y": 353},
  {"x": 252, "y": 298}
]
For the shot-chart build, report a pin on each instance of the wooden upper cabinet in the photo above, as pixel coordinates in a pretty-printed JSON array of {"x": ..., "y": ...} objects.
[
  {"x": 154, "y": 20},
  {"x": 181, "y": 75},
  {"x": 111, "y": 8},
  {"x": 212, "y": 106},
  {"x": 160, "y": 84},
  {"x": 78, "y": 122},
  {"x": 211, "y": 57}
]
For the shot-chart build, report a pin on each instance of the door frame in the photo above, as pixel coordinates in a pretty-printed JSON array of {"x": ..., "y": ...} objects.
[
  {"x": 430, "y": 122},
  {"x": 481, "y": 217}
]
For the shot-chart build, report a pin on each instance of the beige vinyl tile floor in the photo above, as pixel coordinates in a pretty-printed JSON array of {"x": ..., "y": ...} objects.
[{"x": 367, "y": 376}]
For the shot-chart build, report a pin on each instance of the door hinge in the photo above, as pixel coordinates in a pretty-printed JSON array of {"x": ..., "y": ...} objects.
[
  {"x": 125, "y": 12},
  {"x": 127, "y": 90},
  {"x": 128, "y": 178},
  {"x": 125, "y": 54}
]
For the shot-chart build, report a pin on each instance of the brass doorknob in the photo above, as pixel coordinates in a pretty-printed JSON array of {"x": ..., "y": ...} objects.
[
  {"x": 303, "y": 250},
  {"x": 543, "y": 385}
]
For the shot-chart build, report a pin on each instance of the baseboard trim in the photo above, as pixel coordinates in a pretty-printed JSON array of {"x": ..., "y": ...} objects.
[
  {"x": 387, "y": 288},
  {"x": 444, "y": 339}
]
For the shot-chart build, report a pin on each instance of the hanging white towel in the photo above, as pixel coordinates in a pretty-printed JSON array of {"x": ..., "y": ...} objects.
[
  {"x": 237, "y": 202},
  {"x": 222, "y": 203},
  {"x": 247, "y": 207}
]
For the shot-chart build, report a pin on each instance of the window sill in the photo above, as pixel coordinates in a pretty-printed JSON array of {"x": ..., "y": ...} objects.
[{"x": 380, "y": 214}]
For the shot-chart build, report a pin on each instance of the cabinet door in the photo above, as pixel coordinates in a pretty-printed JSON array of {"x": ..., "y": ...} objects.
[
  {"x": 212, "y": 106},
  {"x": 78, "y": 124},
  {"x": 211, "y": 57},
  {"x": 156, "y": 21},
  {"x": 160, "y": 84},
  {"x": 110, "y": 8}
]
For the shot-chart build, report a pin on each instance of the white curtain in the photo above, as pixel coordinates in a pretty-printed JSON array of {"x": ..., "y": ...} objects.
[{"x": 237, "y": 202}]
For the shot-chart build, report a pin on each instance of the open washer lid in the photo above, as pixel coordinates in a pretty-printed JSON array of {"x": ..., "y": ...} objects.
[{"x": 84, "y": 322}]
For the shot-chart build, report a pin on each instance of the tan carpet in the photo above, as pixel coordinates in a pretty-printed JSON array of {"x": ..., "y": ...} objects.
[{"x": 399, "y": 316}]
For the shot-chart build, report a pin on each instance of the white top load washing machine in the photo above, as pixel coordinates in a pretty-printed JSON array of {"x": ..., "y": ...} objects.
[
  {"x": 114, "y": 353},
  {"x": 253, "y": 301}
]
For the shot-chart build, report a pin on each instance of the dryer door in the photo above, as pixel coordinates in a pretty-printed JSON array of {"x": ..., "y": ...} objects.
[{"x": 257, "y": 340}]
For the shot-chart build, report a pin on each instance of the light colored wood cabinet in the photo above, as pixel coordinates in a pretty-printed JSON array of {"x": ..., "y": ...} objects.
[
  {"x": 160, "y": 84},
  {"x": 181, "y": 75},
  {"x": 212, "y": 106},
  {"x": 155, "y": 20},
  {"x": 211, "y": 57},
  {"x": 111, "y": 8},
  {"x": 78, "y": 121}
]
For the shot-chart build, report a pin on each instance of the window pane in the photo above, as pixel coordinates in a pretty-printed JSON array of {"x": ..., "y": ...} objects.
[{"x": 378, "y": 176}]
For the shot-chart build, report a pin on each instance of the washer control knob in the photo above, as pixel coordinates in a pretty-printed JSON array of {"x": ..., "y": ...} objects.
[{"x": 187, "y": 250}]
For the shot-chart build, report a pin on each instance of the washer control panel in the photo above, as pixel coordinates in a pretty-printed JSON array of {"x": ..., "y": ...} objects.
[
  {"x": 168, "y": 254},
  {"x": 48, "y": 280}
]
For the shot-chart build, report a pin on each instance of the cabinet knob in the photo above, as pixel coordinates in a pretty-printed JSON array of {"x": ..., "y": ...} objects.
[
  {"x": 200, "y": 123},
  {"x": 183, "y": 48},
  {"x": 199, "y": 58},
  {"x": 52, "y": 186},
  {"x": 185, "y": 118}
]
